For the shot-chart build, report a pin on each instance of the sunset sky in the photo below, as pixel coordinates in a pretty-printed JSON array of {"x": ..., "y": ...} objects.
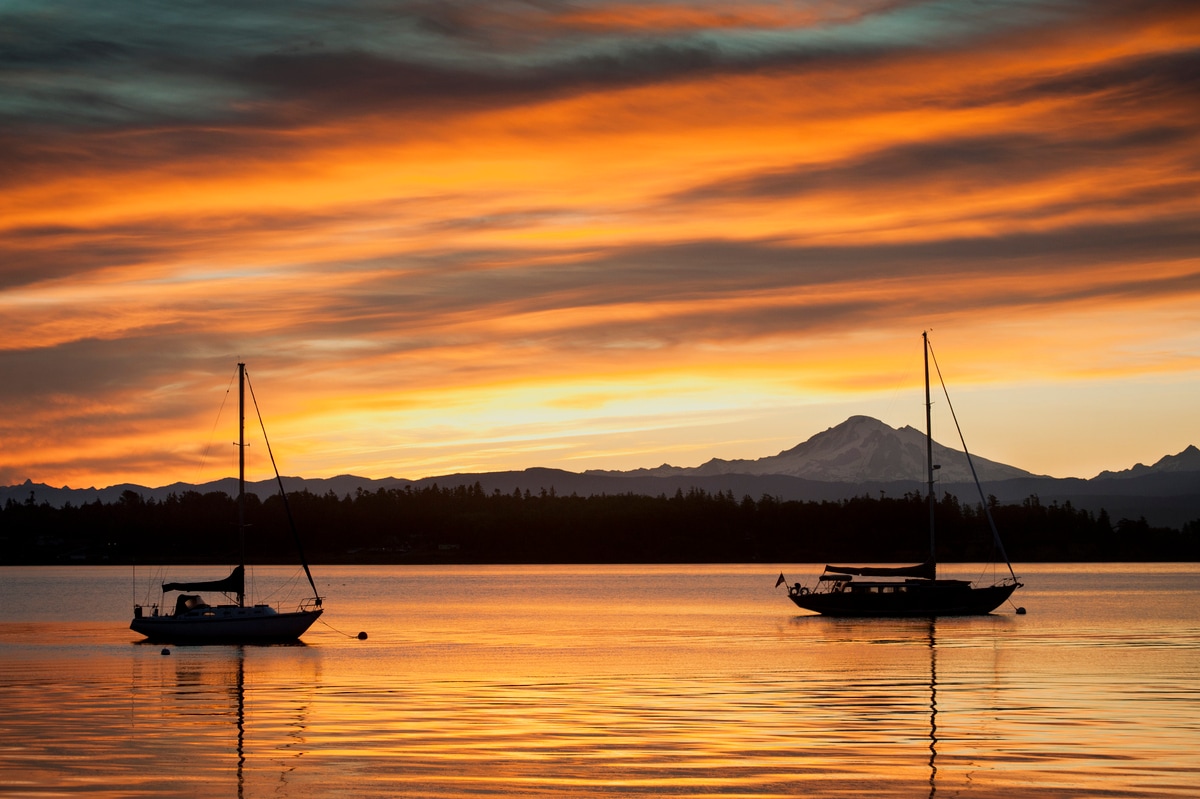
[{"x": 476, "y": 236}]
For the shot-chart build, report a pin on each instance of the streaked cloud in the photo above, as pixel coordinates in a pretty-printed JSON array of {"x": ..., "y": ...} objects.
[{"x": 498, "y": 235}]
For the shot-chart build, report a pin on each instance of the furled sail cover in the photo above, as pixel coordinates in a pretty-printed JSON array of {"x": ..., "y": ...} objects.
[
  {"x": 925, "y": 571},
  {"x": 235, "y": 583}
]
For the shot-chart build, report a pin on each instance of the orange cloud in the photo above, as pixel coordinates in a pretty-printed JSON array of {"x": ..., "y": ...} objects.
[
  {"x": 664, "y": 18},
  {"x": 526, "y": 251}
]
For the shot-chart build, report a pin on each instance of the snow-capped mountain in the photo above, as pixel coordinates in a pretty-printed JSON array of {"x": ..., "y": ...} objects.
[{"x": 859, "y": 450}]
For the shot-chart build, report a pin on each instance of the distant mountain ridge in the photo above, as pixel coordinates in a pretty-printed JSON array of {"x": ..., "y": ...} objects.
[
  {"x": 1186, "y": 461},
  {"x": 859, "y": 450},
  {"x": 859, "y": 456}
]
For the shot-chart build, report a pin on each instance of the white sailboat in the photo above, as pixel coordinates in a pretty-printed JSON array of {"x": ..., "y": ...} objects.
[{"x": 194, "y": 621}]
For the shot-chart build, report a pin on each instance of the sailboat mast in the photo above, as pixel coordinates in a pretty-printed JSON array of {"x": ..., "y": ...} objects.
[
  {"x": 929, "y": 448},
  {"x": 242, "y": 474}
]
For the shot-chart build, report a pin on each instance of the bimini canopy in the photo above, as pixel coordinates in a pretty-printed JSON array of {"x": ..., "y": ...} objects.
[
  {"x": 924, "y": 571},
  {"x": 235, "y": 583}
]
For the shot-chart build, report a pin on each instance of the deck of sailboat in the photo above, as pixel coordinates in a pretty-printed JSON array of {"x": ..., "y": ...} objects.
[{"x": 941, "y": 597}]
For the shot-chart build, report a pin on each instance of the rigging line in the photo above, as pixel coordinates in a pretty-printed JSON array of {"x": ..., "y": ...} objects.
[
  {"x": 282, "y": 591},
  {"x": 971, "y": 463},
  {"x": 217, "y": 421},
  {"x": 283, "y": 494}
]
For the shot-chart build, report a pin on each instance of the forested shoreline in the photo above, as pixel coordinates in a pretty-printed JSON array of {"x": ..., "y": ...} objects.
[{"x": 465, "y": 524}]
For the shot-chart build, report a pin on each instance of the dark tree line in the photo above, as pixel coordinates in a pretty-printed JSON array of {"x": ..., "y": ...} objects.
[{"x": 467, "y": 525}]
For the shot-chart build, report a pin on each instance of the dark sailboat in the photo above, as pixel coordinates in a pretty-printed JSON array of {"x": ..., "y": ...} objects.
[
  {"x": 906, "y": 590},
  {"x": 193, "y": 621}
]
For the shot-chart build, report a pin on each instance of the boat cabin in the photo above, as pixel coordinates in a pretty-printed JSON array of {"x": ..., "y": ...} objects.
[{"x": 186, "y": 602}]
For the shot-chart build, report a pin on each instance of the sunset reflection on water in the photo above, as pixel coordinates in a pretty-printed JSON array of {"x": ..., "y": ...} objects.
[{"x": 612, "y": 681}]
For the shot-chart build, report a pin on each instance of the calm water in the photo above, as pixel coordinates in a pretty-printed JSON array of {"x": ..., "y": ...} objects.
[{"x": 607, "y": 682}]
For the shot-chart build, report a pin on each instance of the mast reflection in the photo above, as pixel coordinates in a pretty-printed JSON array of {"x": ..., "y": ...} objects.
[
  {"x": 932, "y": 707},
  {"x": 240, "y": 658}
]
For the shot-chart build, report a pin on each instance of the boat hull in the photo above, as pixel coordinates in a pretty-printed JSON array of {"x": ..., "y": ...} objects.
[
  {"x": 244, "y": 628},
  {"x": 938, "y": 598}
]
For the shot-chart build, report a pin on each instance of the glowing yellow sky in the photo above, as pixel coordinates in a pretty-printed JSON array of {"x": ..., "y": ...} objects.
[{"x": 593, "y": 235}]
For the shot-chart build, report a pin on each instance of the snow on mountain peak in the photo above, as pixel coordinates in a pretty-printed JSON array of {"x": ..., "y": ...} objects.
[{"x": 860, "y": 449}]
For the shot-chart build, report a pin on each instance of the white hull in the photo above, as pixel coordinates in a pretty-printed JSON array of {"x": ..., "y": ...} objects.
[{"x": 227, "y": 624}]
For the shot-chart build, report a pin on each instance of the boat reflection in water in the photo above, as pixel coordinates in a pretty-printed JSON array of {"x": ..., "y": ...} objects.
[
  {"x": 206, "y": 694},
  {"x": 879, "y": 697}
]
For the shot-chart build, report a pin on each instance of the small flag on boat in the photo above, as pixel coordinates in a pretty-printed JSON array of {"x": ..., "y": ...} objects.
[{"x": 781, "y": 580}]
